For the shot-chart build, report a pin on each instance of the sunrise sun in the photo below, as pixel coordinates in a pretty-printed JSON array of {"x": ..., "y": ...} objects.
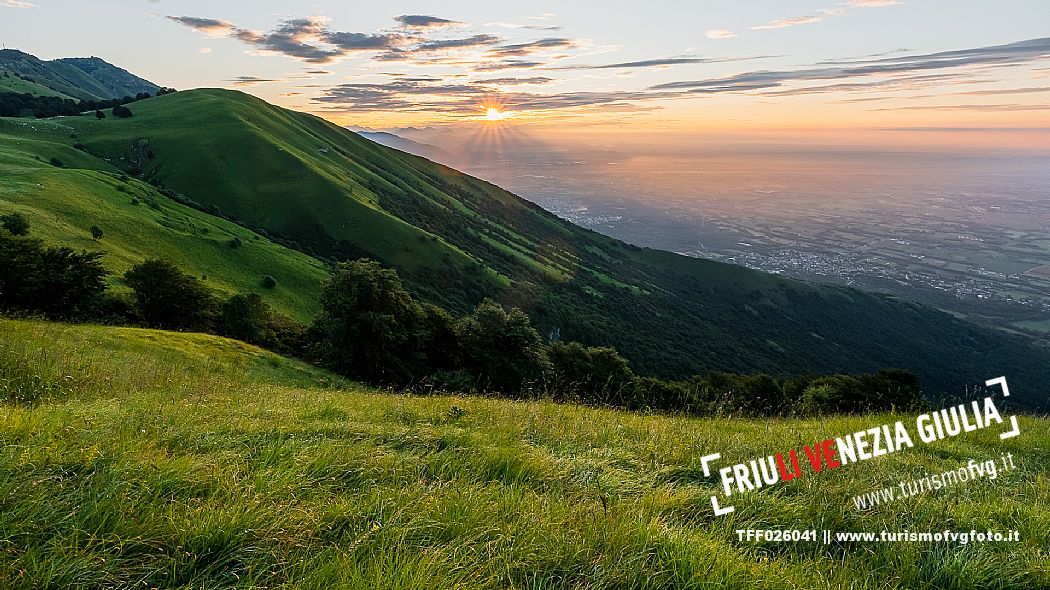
[{"x": 494, "y": 114}]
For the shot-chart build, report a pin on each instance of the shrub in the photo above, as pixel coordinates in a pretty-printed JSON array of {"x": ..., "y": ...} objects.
[
  {"x": 235, "y": 243},
  {"x": 832, "y": 394},
  {"x": 56, "y": 162},
  {"x": 166, "y": 297},
  {"x": 16, "y": 223},
  {"x": 269, "y": 282},
  {"x": 96, "y": 232},
  {"x": 99, "y": 114},
  {"x": 249, "y": 318}
]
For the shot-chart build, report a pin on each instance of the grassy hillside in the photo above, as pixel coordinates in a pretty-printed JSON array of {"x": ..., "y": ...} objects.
[
  {"x": 11, "y": 83},
  {"x": 279, "y": 170},
  {"x": 456, "y": 239},
  {"x": 63, "y": 203},
  {"x": 172, "y": 460}
]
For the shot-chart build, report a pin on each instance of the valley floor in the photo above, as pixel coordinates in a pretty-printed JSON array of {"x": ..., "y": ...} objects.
[{"x": 137, "y": 458}]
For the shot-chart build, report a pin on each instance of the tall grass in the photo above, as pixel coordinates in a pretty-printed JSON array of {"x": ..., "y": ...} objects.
[{"x": 185, "y": 461}]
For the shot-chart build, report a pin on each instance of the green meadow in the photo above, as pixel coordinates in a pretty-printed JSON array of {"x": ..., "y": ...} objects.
[
  {"x": 138, "y": 222},
  {"x": 134, "y": 458}
]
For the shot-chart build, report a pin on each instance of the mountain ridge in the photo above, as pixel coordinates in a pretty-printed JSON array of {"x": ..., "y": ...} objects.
[
  {"x": 85, "y": 78},
  {"x": 404, "y": 144}
]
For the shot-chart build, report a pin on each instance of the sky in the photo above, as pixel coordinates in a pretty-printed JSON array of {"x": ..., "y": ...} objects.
[{"x": 963, "y": 71}]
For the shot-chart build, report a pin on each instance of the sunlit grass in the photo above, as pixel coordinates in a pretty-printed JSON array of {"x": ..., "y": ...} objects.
[{"x": 177, "y": 460}]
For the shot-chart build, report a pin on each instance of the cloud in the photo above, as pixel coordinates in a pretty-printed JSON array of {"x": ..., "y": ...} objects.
[
  {"x": 514, "y": 81},
  {"x": 719, "y": 34},
  {"x": 531, "y": 47},
  {"x": 510, "y": 64},
  {"x": 419, "y": 21},
  {"x": 204, "y": 25},
  {"x": 998, "y": 92},
  {"x": 459, "y": 99},
  {"x": 995, "y": 92},
  {"x": 473, "y": 41},
  {"x": 424, "y": 51},
  {"x": 872, "y": 3},
  {"x": 896, "y": 84},
  {"x": 16, "y": 4},
  {"x": 204, "y": 50},
  {"x": 531, "y": 27},
  {"x": 819, "y": 14},
  {"x": 661, "y": 62},
  {"x": 308, "y": 39},
  {"x": 903, "y": 65},
  {"x": 894, "y": 73},
  {"x": 972, "y": 107},
  {"x": 783, "y": 23},
  {"x": 312, "y": 40},
  {"x": 251, "y": 80}
]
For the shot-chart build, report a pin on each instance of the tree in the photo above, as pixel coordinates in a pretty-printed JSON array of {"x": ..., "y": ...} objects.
[
  {"x": 168, "y": 298},
  {"x": 122, "y": 112},
  {"x": 892, "y": 389},
  {"x": 16, "y": 223},
  {"x": 251, "y": 319},
  {"x": 502, "y": 348},
  {"x": 99, "y": 114},
  {"x": 96, "y": 232},
  {"x": 370, "y": 327},
  {"x": 440, "y": 341},
  {"x": 245, "y": 317},
  {"x": 593, "y": 374},
  {"x": 57, "y": 282}
]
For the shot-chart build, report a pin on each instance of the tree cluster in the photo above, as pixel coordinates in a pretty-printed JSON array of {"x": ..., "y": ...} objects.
[
  {"x": 58, "y": 283},
  {"x": 372, "y": 329},
  {"x": 13, "y": 104}
]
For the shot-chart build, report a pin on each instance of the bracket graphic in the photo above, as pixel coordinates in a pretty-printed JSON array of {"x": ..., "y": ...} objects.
[
  {"x": 719, "y": 511},
  {"x": 1001, "y": 381}
]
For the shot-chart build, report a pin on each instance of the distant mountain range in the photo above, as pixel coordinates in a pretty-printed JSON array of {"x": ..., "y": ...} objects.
[
  {"x": 416, "y": 148},
  {"x": 85, "y": 78},
  {"x": 209, "y": 165}
]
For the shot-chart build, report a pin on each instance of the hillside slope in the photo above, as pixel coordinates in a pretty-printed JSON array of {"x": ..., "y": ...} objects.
[
  {"x": 168, "y": 460},
  {"x": 457, "y": 239},
  {"x": 62, "y": 203},
  {"x": 88, "y": 78}
]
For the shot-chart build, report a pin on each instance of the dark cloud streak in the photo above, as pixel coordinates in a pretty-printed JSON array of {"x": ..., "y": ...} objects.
[{"x": 420, "y": 21}]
